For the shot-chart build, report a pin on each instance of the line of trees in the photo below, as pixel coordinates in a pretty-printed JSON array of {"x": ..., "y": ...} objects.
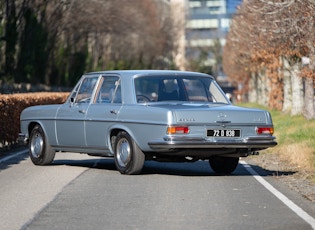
[
  {"x": 270, "y": 50},
  {"x": 54, "y": 41}
]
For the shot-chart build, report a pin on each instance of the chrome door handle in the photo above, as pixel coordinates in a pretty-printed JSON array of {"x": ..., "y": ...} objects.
[
  {"x": 113, "y": 111},
  {"x": 82, "y": 111}
]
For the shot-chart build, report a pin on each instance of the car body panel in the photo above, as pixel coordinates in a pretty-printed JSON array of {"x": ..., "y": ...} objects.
[
  {"x": 70, "y": 122},
  {"x": 99, "y": 122}
]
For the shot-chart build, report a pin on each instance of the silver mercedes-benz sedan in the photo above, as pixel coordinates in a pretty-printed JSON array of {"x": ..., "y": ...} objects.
[{"x": 140, "y": 115}]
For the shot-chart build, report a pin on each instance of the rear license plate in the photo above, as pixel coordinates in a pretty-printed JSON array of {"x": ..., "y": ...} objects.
[{"x": 223, "y": 133}]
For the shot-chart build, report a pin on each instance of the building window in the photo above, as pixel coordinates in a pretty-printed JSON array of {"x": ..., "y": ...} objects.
[
  {"x": 203, "y": 24},
  {"x": 225, "y": 23},
  {"x": 213, "y": 3},
  {"x": 194, "y": 4}
]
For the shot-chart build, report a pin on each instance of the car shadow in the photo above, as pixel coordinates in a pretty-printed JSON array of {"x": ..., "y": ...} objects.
[
  {"x": 10, "y": 158},
  {"x": 198, "y": 168},
  {"x": 105, "y": 164}
]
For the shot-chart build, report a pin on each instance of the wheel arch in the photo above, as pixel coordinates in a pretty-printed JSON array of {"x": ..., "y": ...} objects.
[
  {"x": 114, "y": 132},
  {"x": 31, "y": 126}
]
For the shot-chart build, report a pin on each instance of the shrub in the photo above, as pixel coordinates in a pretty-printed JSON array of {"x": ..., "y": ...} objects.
[{"x": 11, "y": 106}]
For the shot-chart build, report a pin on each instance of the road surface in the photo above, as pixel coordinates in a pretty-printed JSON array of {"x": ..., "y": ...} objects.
[{"x": 82, "y": 192}]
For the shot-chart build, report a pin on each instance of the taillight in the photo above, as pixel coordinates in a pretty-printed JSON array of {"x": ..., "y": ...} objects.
[
  {"x": 264, "y": 130},
  {"x": 177, "y": 130}
]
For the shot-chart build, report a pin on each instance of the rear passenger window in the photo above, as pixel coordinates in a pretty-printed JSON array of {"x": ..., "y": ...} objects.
[{"x": 110, "y": 90}]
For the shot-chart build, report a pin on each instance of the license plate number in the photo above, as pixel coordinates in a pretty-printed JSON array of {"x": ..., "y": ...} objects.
[{"x": 223, "y": 133}]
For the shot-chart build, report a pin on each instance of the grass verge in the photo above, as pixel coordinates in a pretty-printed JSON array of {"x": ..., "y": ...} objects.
[{"x": 296, "y": 140}]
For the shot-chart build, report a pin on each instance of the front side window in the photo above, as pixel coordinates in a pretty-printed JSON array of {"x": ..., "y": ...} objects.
[{"x": 86, "y": 89}]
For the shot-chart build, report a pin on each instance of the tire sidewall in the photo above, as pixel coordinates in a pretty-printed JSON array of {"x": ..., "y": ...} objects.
[
  {"x": 47, "y": 154},
  {"x": 134, "y": 166},
  {"x": 123, "y": 169}
]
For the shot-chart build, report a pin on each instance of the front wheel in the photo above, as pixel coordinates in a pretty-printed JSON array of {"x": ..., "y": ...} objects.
[
  {"x": 223, "y": 165},
  {"x": 129, "y": 159},
  {"x": 39, "y": 149}
]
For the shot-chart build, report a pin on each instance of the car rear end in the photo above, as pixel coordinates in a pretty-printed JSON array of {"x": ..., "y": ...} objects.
[{"x": 217, "y": 129}]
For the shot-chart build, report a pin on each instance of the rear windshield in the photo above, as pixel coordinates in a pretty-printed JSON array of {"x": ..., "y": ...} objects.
[{"x": 191, "y": 89}]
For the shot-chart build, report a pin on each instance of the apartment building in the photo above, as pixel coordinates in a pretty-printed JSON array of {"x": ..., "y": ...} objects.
[{"x": 207, "y": 24}]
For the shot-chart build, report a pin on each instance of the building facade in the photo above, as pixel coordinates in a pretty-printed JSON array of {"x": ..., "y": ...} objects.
[{"x": 207, "y": 24}]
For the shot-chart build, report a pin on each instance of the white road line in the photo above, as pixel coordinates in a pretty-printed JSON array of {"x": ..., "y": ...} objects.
[
  {"x": 300, "y": 212},
  {"x": 12, "y": 156}
]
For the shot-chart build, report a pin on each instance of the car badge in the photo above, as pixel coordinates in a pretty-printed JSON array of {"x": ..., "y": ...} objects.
[
  {"x": 187, "y": 119},
  {"x": 222, "y": 116}
]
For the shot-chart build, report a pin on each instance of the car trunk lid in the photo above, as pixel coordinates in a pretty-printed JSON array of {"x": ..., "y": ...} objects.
[{"x": 187, "y": 113}]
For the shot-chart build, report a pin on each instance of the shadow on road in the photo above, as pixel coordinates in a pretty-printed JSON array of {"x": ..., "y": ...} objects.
[
  {"x": 199, "y": 168},
  {"x": 10, "y": 158}
]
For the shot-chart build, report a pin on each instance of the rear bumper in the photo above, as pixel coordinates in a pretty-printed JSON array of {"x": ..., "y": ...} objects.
[{"x": 250, "y": 143}]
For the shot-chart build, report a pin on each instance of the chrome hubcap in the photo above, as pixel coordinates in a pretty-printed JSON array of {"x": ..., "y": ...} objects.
[
  {"x": 37, "y": 145},
  {"x": 123, "y": 153}
]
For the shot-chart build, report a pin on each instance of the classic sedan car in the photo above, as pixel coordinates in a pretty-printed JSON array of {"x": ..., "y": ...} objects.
[{"x": 135, "y": 116}]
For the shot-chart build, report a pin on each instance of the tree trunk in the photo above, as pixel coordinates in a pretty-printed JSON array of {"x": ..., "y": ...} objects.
[
  {"x": 262, "y": 89},
  {"x": 252, "y": 93},
  {"x": 309, "y": 111},
  {"x": 10, "y": 37},
  {"x": 287, "y": 93},
  {"x": 287, "y": 87},
  {"x": 297, "y": 91}
]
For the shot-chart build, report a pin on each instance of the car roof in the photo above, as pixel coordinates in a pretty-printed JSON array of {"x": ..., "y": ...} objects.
[{"x": 148, "y": 72}]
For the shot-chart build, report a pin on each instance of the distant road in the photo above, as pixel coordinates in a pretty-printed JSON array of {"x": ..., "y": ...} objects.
[{"x": 82, "y": 192}]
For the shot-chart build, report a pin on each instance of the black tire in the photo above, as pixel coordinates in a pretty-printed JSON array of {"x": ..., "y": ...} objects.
[
  {"x": 40, "y": 151},
  {"x": 129, "y": 159},
  {"x": 223, "y": 165}
]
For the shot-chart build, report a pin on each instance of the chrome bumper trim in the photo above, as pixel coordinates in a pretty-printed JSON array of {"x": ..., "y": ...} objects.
[{"x": 248, "y": 143}]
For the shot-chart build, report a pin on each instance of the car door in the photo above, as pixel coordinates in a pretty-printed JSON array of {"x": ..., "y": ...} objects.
[
  {"x": 70, "y": 120},
  {"x": 103, "y": 112}
]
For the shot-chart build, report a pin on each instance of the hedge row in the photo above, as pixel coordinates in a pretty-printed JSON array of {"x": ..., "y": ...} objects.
[{"x": 11, "y": 106}]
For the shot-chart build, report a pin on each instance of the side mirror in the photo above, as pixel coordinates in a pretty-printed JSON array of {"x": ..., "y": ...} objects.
[{"x": 72, "y": 99}]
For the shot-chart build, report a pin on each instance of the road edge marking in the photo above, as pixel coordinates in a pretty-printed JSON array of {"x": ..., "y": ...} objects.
[
  {"x": 295, "y": 208},
  {"x": 4, "y": 159}
]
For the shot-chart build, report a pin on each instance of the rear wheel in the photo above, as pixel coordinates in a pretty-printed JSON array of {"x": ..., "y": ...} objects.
[
  {"x": 39, "y": 149},
  {"x": 129, "y": 159},
  {"x": 223, "y": 165}
]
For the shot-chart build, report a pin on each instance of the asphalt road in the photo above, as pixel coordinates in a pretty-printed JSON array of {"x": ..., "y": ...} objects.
[{"x": 82, "y": 192}]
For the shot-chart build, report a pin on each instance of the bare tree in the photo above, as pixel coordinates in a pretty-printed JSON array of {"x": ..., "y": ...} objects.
[
  {"x": 128, "y": 33},
  {"x": 54, "y": 42},
  {"x": 271, "y": 37}
]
